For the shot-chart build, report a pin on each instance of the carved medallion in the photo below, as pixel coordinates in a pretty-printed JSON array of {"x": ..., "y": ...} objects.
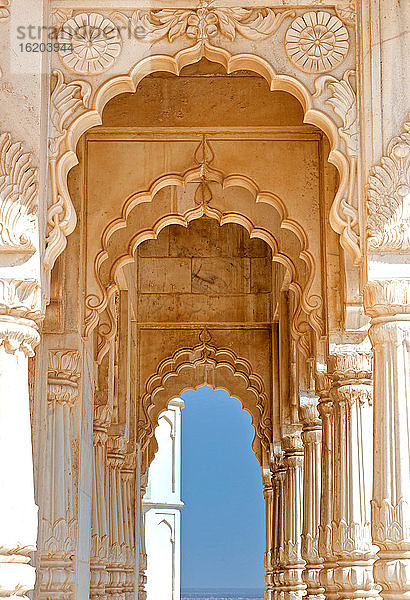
[
  {"x": 317, "y": 42},
  {"x": 90, "y": 43}
]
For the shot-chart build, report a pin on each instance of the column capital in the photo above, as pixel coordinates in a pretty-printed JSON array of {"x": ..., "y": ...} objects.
[
  {"x": 308, "y": 411},
  {"x": 18, "y": 334},
  {"x": 349, "y": 362},
  {"x": 63, "y": 376},
  {"x": 389, "y": 298}
]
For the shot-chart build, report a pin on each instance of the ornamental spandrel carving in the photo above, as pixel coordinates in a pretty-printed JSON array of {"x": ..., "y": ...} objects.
[
  {"x": 18, "y": 201},
  {"x": 388, "y": 198},
  {"x": 317, "y": 42},
  {"x": 90, "y": 43},
  {"x": 68, "y": 99}
]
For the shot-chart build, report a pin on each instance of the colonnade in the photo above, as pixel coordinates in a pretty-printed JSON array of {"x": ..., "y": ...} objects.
[{"x": 338, "y": 500}]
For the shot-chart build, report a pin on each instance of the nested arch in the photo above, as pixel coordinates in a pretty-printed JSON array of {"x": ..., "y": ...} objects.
[
  {"x": 62, "y": 221},
  {"x": 100, "y": 309},
  {"x": 206, "y": 364}
]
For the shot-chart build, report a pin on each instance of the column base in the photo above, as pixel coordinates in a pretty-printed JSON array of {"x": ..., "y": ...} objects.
[
  {"x": 56, "y": 579},
  {"x": 311, "y": 577},
  {"x": 327, "y": 580},
  {"x": 392, "y": 573},
  {"x": 354, "y": 580}
]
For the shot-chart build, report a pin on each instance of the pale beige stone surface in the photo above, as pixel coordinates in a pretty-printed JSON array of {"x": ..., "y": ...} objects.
[{"x": 223, "y": 200}]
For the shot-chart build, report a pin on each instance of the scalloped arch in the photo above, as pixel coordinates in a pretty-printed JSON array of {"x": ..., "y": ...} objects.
[
  {"x": 220, "y": 368},
  {"x": 63, "y": 223},
  {"x": 309, "y": 305}
]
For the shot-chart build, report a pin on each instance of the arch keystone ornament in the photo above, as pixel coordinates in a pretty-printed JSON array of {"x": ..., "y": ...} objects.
[{"x": 317, "y": 42}]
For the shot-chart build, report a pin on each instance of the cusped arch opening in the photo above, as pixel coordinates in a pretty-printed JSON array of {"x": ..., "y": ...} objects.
[
  {"x": 174, "y": 65},
  {"x": 218, "y": 368}
]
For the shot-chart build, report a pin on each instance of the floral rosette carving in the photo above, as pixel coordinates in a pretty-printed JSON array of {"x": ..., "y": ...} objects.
[
  {"x": 90, "y": 44},
  {"x": 317, "y": 42}
]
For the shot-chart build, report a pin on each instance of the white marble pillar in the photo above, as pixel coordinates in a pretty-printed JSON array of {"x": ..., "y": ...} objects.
[
  {"x": 99, "y": 522},
  {"x": 267, "y": 561},
  {"x": 58, "y": 523},
  {"x": 127, "y": 481},
  {"x": 116, "y": 555},
  {"x": 387, "y": 302},
  {"x": 326, "y": 412},
  {"x": 350, "y": 370},
  {"x": 294, "y": 587},
  {"x": 312, "y": 445},
  {"x": 278, "y": 516},
  {"x": 18, "y": 512}
]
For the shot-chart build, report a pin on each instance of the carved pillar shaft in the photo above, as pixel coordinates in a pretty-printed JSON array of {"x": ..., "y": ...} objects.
[
  {"x": 294, "y": 586},
  {"x": 312, "y": 443},
  {"x": 326, "y": 576},
  {"x": 388, "y": 303},
  {"x": 58, "y": 523},
  {"x": 18, "y": 512},
  {"x": 268, "y": 496},
  {"x": 350, "y": 371},
  {"x": 99, "y": 523},
  {"x": 127, "y": 475},
  {"x": 116, "y": 556},
  {"x": 278, "y": 490}
]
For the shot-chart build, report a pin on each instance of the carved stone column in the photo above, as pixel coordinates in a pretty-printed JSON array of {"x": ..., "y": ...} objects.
[
  {"x": 58, "y": 523},
  {"x": 294, "y": 587},
  {"x": 268, "y": 565},
  {"x": 325, "y": 409},
  {"x": 127, "y": 480},
  {"x": 278, "y": 492},
  {"x": 99, "y": 531},
  {"x": 388, "y": 304},
  {"x": 312, "y": 444},
  {"x": 18, "y": 512},
  {"x": 350, "y": 370},
  {"x": 117, "y": 549}
]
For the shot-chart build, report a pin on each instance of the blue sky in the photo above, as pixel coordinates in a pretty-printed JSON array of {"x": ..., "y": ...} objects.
[{"x": 223, "y": 518}]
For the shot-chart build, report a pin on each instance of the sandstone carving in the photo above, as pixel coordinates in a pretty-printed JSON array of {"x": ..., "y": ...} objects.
[
  {"x": 317, "y": 42},
  {"x": 388, "y": 201},
  {"x": 93, "y": 43},
  {"x": 207, "y": 22},
  {"x": 18, "y": 198}
]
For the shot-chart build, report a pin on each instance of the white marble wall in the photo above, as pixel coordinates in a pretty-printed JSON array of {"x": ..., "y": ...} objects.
[{"x": 162, "y": 506}]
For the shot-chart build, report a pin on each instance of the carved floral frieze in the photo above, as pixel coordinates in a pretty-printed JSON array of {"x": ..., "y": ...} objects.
[
  {"x": 388, "y": 198},
  {"x": 205, "y": 22},
  {"x": 317, "y": 42},
  {"x": 18, "y": 199},
  {"x": 90, "y": 43}
]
